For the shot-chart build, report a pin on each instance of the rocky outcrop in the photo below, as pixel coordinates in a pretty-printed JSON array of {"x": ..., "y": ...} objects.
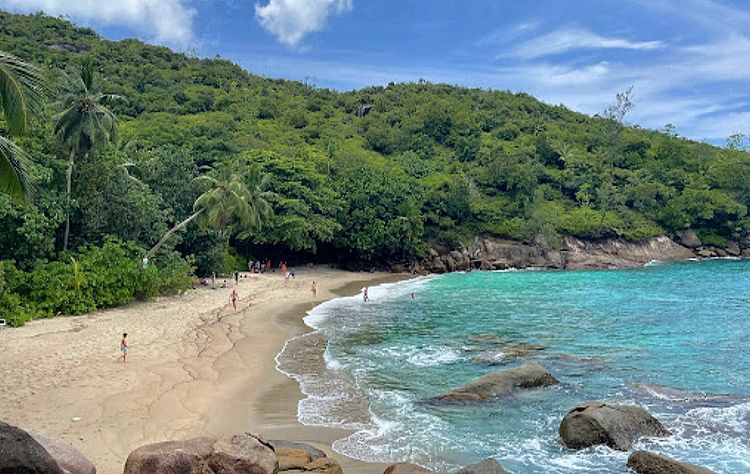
[
  {"x": 406, "y": 468},
  {"x": 689, "y": 239},
  {"x": 301, "y": 457},
  {"x": 242, "y": 453},
  {"x": 644, "y": 462},
  {"x": 498, "y": 384},
  {"x": 488, "y": 466},
  {"x": 617, "y": 426},
  {"x": 689, "y": 398},
  {"x": 22, "y": 454},
  {"x": 70, "y": 460},
  {"x": 494, "y": 254}
]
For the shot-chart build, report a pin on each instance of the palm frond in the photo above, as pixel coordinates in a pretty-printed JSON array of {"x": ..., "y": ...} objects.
[
  {"x": 14, "y": 171},
  {"x": 22, "y": 88}
]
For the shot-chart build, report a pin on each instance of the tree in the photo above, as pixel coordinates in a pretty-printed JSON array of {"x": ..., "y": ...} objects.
[
  {"x": 235, "y": 203},
  {"x": 21, "y": 91},
  {"x": 83, "y": 123}
]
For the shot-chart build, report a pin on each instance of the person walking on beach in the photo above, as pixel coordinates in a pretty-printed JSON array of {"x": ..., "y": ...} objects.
[
  {"x": 314, "y": 289},
  {"x": 234, "y": 297},
  {"x": 124, "y": 347},
  {"x": 236, "y": 278},
  {"x": 283, "y": 268}
]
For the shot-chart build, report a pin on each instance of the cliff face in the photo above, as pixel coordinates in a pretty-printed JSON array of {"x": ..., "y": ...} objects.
[{"x": 575, "y": 254}]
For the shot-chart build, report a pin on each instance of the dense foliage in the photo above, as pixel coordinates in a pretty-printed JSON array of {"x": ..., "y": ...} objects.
[{"x": 369, "y": 175}]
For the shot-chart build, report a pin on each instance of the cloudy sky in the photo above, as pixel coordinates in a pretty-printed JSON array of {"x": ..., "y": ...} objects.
[{"x": 688, "y": 60}]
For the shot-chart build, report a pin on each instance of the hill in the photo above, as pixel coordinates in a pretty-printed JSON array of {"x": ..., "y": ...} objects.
[{"x": 371, "y": 175}]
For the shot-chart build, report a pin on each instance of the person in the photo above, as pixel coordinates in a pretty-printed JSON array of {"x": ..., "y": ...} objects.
[
  {"x": 365, "y": 297},
  {"x": 293, "y": 271},
  {"x": 314, "y": 289},
  {"x": 236, "y": 278},
  {"x": 234, "y": 297},
  {"x": 257, "y": 266},
  {"x": 413, "y": 296},
  {"x": 124, "y": 346},
  {"x": 283, "y": 268},
  {"x": 213, "y": 280},
  {"x": 250, "y": 265},
  {"x": 268, "y": 265}
]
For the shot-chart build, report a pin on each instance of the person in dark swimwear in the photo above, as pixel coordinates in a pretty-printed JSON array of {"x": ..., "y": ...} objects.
[
  {"x": 234, "y": 297},
  {"x": 124, "y": 346}
]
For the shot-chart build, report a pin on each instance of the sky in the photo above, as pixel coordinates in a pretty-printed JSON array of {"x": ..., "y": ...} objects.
[{"x": 688, "y": 61}]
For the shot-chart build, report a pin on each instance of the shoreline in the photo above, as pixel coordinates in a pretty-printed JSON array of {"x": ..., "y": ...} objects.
[{"x": 195, "y": 368}]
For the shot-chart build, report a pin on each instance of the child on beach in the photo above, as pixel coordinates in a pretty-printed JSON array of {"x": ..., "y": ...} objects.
[
  {"x": 124, "y": 346},
  {"x": 234, "y": 297}
]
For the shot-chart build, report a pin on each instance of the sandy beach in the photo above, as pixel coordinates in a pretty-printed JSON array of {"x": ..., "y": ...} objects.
[{"x": 196, "y": 367}]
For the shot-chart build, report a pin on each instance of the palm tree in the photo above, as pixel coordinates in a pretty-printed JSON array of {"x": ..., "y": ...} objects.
[
  {"x": 21, "y": 91},
  {"x": 83, "y": 122},
  {"x": 235, "y": 203}
]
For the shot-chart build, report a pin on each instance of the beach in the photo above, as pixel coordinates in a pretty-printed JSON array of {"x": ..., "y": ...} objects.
[{"x": 196, "y": 367}]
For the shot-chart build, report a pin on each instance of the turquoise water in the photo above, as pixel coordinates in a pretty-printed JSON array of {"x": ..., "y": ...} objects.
[{"x": 627, "y": 336}]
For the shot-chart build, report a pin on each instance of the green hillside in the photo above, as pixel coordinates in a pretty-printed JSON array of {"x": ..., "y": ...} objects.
[{"x": 365, "y": 176}]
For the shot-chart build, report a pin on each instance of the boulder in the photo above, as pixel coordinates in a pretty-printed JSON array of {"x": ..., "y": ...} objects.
[
  {"x": 704, "y": 252},
  {"x": 498, "y": 384},
  {"x": 733, "y": 249},
  {"x": 22, "y": 454},
  {"x": 406, "y": 468},
  {"x": 746, "y": 253},
  {"x": 689, "y": 239},
  {"x": 617, "y": 426},
  {"x": 644, "y": 462},
  {"x": 314, "y": 452},
  {"x": 488, "y": 466},
  {"x": 324, "y": 465},
  {"x": 70, "y": 460},
  {"x": 241, "y": 453}
]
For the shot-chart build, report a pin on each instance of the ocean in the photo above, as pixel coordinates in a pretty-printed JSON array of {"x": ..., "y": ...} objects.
[{"x": 669, "y": 337}]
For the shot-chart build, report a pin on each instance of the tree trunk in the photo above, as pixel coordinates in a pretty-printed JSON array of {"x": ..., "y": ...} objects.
[
  {"x": 171, "y": 231},
  {"x": 69, "y": 189}
]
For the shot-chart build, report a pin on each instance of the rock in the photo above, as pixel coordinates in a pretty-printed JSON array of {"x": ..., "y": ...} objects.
[
  {"x": 497, "y": 384},
  {"x": 314, "y": 452},
  {"x": 703, "y": 252},
  {"x": 692, "y": 399},
  {"x": 746, "y": 253},
  {"x": 733, "y": 249},
  {"x": 292, "y": 458},
  {"x": 325, "y": 465},
  {"x": 406, "y": 468},
  {"x": 644, "y": 462},
  {"x": 242, "y": 453},
  {"x": 488, "y": 466},
  {"x": 689, "y": 239},
  {"x": 719, "y": 252},
  {"x": 22, "y": 454},
  {"x": 70, "y": 460},
  {"x": 617, "y": 426}
]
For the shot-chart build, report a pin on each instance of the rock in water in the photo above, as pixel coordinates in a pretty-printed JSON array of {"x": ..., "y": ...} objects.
[
  {"x": 488, "y": 466},
  {"x": 70, "y": 460},
  {"x": 22, "y": 454},
  {"x": 406, "y": 468},
  {"x": 498, "y": 384},
  {"x": 644, "y": 462},
  {"x": 617, "y": 426},
  {"x": 242, "y": 453}
]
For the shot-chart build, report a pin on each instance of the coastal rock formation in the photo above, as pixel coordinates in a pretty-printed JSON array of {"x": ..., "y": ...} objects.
[
  {"x": 617, "y": 426},
  {"x": 281, "y": 446},
  {"x": 21, "y": 454},
  {"x": 406, "y": 468},
  {"x": 488, "y": 466},
  {"x": 242, "y": 453},
  {"x": 690, "y": 398},
  {"x": 644, "y": 462},
  {"x": 496, "y": 254},
  {"x": 498, "y": 384},
  {"x": 301, "y": 457},
  {"x": 689, "y": 239},
  {"x": 70, "y": 460}
]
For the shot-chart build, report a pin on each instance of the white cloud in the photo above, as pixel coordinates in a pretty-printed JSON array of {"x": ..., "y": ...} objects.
[
  {"x": 166, "y": 21},
  {"x": 569, "y": 39},
  {"x": 291, "y": 20}
]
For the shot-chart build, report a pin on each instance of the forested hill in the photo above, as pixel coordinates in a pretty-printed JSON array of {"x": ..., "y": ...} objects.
[{"x": 366, "y": 175}]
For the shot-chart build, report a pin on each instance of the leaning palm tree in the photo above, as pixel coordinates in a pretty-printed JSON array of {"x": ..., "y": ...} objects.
[
  {"x": 83, "y": 122},
  {"x": 21, "y": 92},
  {"x": 234, "y": 204}
]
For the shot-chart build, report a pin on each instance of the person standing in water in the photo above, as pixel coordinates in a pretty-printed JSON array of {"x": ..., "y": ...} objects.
[
  {"x": 234, "y": 297},
  {"x": 124, "y": 346},
  {"x": 365, "y": 296},
  {"x": 413, "y": 296}
]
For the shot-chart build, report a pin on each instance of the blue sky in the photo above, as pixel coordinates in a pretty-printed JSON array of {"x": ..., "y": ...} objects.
[{"x": 688, "y": 60}]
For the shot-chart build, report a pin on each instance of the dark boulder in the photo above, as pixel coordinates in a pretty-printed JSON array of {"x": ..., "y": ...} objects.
[
  {"x": 22, "y": 454},
  {"x": 689, "y": 239},
  {"x": 498, "y": 384},
  {"x": 644, "y": 462},
  {"x": 733, "y": 249},
  {"x": 488, "y": 466},
  {"x": 617, "y": 426},
  {"x": 406, "y": 468}
]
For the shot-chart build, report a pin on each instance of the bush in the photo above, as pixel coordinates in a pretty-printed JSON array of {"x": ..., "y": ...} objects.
[{"x": 89, "y": 279}]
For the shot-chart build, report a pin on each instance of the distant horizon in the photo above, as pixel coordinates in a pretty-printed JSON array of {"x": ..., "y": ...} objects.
[{"x": 687, "y": 61}]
